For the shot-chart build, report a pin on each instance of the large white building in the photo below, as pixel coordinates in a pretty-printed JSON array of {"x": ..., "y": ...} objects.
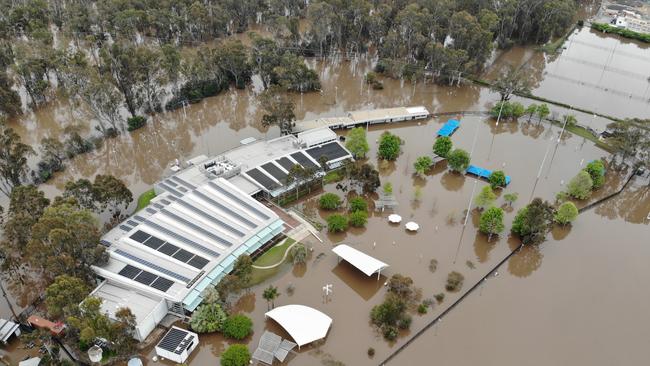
[{"x": 202, "y": 219}]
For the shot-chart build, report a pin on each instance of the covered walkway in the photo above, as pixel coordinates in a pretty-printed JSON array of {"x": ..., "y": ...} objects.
[
  {"x": 448, "y": 128},
  {"x": 483, "y": 173}
]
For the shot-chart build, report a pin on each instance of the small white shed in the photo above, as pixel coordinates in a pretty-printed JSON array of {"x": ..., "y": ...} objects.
[{"x": 177, "y": 345}]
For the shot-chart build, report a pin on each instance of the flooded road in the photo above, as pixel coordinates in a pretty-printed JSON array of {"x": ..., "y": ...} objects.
[{"x": 563, "y": 287}]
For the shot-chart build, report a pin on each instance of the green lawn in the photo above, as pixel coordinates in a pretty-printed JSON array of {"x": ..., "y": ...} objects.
[
  {"x": 274, "y": 255},
  {"x": 333, "y": 176},
  {"x": 145, "y": 198},
  {"x": 260, "y": 275}
]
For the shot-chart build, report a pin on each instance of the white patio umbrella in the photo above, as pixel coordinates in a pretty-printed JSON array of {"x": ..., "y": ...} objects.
[
  {"x": 395, "y": 218},
  {"x": 412, "y": 226}
]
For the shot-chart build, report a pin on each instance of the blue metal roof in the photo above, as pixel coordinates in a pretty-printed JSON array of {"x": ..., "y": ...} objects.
[
  {"x": 482, "y": 173},
  {"x": 449, "y": 128}
]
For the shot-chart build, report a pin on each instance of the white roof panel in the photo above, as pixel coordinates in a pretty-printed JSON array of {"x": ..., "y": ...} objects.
[
  {"x": 361, "y": 260},
  {"x": 303, "y": 323}
]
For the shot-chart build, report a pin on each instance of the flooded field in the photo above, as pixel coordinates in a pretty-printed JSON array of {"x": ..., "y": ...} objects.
[
  {"x": 440, "y": 213},
  {"x": 603, "y": 73},
  {"x": 562, "y": 290}
]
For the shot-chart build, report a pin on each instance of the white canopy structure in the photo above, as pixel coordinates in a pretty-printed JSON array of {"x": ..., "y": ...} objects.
[
  {"x": 304, "y": 324},
  {"x": 359, "y": 259}
]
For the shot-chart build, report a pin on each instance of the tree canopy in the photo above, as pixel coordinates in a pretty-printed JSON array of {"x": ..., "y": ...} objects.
[
  {"x": 389, "y": 146},
  {"x": 208, "y": 318},
  {"x": 580, "y": 186},
  {"x": 458, "y": 160},
  {"x": 357, "y": 142},
  {"x": 485, "y": 198},
  {"x": 422, "y": 165},
  {"x": 532, "y": 222},
  {"x": 236, "y": 355},
  {"x": 491, "y": 221},
  {"x": 442, "y": 146},
  {"x": 566, "y": 213}
]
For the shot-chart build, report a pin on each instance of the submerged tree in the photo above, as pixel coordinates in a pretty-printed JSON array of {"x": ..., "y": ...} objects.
[
  {"x": 270, "y": 294},
  {"x": 278, "y": 109},
  {"x": 485, "y": 198},
  {"x": 442, "y": 146},
  {"x": 357, "y": 142},
  {"x": 13, "y": 159},
  {"x": 422, "y": 165},
  {"x": 533, "y": 221},
  {"x": 389, "y": 146},
  {"x": 566, "y": 213},
  {"x": 513, "y": 80},
  {"x": 491, "y": 222},
  {"x": 208, "y": 318},
  {"x": 458, "y": 160}
]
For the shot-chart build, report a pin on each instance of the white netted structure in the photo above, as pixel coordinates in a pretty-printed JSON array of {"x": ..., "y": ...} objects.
[{"x": 272, "y": 346}]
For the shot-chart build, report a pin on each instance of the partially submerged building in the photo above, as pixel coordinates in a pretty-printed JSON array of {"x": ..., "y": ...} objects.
[
  {"x": 366, "y": 118},
  {"x": 202, "y": 219}
]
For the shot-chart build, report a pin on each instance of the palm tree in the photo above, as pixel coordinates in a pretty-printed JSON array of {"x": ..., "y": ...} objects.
[{"x": 270, "y": 294}]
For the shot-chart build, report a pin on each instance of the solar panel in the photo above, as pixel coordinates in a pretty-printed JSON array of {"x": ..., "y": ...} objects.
[
  {"x": 304, "y": 160},
  {"x": 239, "y": 200},
  {"x": 210, "y": 218},
  {"x": 181, "y": 238},
  {"x": 139, "y": 218},
  {"x": 286, "y": 163},
  {"x": 184, "y": 182},
  {"x": 165, "y": 201},
  {"x": 183, "y": 255},
  {"x": 140, "y": 236},
  {"x": 331, "y": 151},
  {"x": 153, "y": 266},
  {"x": 154, "y": 243},
  {"x": 162, "y": 284},
  {"x": 145, "y": 278},
  {"x": 150, "y": 210},
  {"x": 276, "y": 172},
  {"x": 196, "y": 227},
  {"x": 198, "y": 262},
  {"x": 105, "y": 243},
  {"x": 262, "y": 179},
  {"x": 172, "y": 340},
  {"x": 168, "y": 249},
  {"x": 226, "y": 209},
  {"x": 129, "y": 271},
  {"x": 125, "y": 228},
  {"x": 171, "y": 183},
  {"x": 132, "y": 223},
  {"x": 182, "y": 189},
  {"x": 170, "y": 189}
]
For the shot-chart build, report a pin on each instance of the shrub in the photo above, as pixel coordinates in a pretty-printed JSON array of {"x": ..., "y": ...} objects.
[
  {"x": 298, "y": 254},
  {"x": 133, "y": 123},
  {"x": 566, "y": 213},
  {"x": 580, "y": 186},
  {"x": 458, "y": 160},
  {"x": 358, "y": 204},
  {"x": 422, "y": 309},
  {"x": 510, "y": 198},
  {"x": 329, "y": 201},
  {"x": 508, "y": 110},
  {"x": 337, "y": 223},
  {"x": 358, "y": 218},
  {"x": 405, "y": 322},
  {"x": 389, "y": 311},
  {"x": 433, "y": 265},
  {"x": 332, "y": 176},
  {"x": 390, "y": 332},
  {"x": 442, "y": 146},
  {"x": 454, "y": 281},
  {"x": 485, "y": 198},
  {"x": 237, "y": 326},
  {"x": 208, "y": 318},
  {"x": 236, "y": 355},
  {"x": 439, "y": 297},
  {"x": 371, "y": 79},
  {"x": 371, "y": 351},
  {"x": 422, "y": 164},
  {"x": 596, "y": 170},
  {"x": 388, "y": 188},
  {"x": 389, "y": 146},
  {"x": 497, "y": 179}
]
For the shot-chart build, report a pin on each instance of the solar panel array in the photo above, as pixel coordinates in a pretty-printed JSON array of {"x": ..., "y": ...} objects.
[
  {"x": 331, "y": 151},
  {"x": 262, "y": 179},
  {"x": 286, "y": 163},
  {"x": 181, "y": 238},
  {"x": 304, "y": 160},
  {"x": 176, "y": 340},
  {"x": 276, "y": 172},
  {"x": 152, "y": 266},
  {"x": 146, "y": 278},
  {"x": 169, "y": 249}
]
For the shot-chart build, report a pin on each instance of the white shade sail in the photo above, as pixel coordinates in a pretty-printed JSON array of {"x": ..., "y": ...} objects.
[
  {"x": 412, "y": 226},
  {"x": 359, "y": 259},
  {"x": 304, "y": 324}
]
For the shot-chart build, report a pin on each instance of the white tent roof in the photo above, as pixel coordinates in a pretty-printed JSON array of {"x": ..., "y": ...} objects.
[
  {"x": 34, "y": 361},
  {"x": 303, "y": 323},
  {"x": 361, "y": 260}
]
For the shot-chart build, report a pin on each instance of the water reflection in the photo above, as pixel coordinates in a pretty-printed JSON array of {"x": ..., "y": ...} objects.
[
  {"x": 364, "y": 286},
  {"x": 525, "y": 261}
]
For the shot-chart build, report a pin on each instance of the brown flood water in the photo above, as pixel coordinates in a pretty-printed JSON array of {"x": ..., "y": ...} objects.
[{"x": 218, "y": 123}]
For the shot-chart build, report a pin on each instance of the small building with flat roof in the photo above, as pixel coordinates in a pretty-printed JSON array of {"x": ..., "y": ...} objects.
[
  {"x": 177, "y": 345},
  {"x": 8, "y": 329},
  {"x": 365, "y": 117}
]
